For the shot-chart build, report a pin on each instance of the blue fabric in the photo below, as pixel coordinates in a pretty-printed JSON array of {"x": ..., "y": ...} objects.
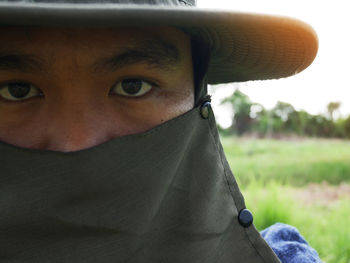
[{"x": 289, "y": 245}]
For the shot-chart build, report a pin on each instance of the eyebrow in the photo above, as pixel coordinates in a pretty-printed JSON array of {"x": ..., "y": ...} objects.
[
  {"x": 155, "y": 52},
  {"x": 15, "y": 61}
]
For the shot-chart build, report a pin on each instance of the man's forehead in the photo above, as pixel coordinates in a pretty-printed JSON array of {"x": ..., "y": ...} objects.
[
  {"x": 160, "y": 47},
  {"x": 118, "y": 35}
]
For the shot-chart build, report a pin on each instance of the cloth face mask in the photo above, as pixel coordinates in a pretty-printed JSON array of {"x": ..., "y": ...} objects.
[{"x": 166, "y": 195}]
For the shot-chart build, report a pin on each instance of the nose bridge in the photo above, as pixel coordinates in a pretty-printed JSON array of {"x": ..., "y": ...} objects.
[{"x": 75, "y": 126}]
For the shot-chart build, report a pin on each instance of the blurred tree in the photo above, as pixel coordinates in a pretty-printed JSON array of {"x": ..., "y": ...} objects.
[
  {"x": 283, "y": 119},
  {"x": 347, "y": 127},
  {"x": 241, "y": 106},
  {"x": 325, "y": 127},
  {"x": 332, "y": 107},
  {"x": 339, "y": 128},
  {"x": 283, "y": 110},
  {"x": 297, "y": 122},
  {"x": 261, "y": 120}
]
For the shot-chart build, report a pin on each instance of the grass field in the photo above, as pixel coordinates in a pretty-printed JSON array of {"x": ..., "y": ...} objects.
[{"x": 305, "y": 183}]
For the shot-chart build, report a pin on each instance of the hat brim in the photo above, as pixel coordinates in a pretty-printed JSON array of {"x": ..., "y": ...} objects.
[{"x": 243, "y": 46}]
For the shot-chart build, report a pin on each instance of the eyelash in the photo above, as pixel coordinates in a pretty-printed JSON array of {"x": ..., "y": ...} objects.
[
  {"x": 149, "y": 82},
  {"x": 152, "y": 83}
]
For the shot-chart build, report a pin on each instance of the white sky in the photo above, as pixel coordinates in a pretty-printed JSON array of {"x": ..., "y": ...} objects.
[{"x": 324, "y": 81}]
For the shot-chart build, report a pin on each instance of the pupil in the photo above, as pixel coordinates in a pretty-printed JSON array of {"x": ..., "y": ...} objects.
[
  {"x": 132, "y": 86},
  {"x": 19, "y": 90}
]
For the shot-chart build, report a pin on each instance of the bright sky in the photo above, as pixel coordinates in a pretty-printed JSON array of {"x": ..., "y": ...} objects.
[{"x": 324, "y": 81}]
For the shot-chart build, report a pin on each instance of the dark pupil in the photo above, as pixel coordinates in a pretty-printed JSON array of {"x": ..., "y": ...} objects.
[
  {"x": 132, "y": 86},
  {"x": 19, "y": 90}
]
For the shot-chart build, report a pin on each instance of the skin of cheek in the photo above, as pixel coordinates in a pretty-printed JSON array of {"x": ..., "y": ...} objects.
[
  {"x": 20, "y": 132},
  {"x": 151, "y": 113},
  {"x": 172, "y": 104}
]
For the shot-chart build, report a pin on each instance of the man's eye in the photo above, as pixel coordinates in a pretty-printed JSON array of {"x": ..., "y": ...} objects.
[
  {"x": 132, "y": 87},
  {"x": 19, "y": 91}
]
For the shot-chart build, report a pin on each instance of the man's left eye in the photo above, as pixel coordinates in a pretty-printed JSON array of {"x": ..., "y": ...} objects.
[{"x": 132, "y": 87}]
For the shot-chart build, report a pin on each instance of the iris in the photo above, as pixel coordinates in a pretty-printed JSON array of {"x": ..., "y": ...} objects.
[
  {"x": 19, "y": 90},
  {"x": 132, "y": 86}
]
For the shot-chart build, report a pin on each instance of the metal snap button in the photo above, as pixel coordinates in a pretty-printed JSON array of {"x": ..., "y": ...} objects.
[
  {"x": 245, "y": 218},
  {"x": 205, "y": 109}
]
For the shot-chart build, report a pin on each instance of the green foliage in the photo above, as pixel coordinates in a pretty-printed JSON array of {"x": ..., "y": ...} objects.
[
  {"x": 241, "y": 105},
  {"x": 347, "y": 127},
  {"x": 332, "y": 107},
  {"x": 283, "y": 119}
]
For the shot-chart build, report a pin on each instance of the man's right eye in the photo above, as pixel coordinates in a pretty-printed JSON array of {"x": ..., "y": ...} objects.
[
  {"x": 134, "y": 87},
  {"x": 19, "y": 91}
]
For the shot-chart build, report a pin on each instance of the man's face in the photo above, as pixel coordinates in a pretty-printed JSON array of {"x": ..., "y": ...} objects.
[{"x": 71, "y": 89}]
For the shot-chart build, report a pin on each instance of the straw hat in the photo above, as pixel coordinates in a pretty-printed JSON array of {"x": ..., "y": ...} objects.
[{"x": 243, "y": 46}]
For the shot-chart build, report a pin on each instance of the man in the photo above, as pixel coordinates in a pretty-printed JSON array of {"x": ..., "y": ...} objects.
[{"x": 109, "y": 148}]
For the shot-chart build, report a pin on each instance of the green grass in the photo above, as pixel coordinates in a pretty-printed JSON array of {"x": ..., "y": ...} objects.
[
  {"x": 270, "y": 203},
  {"x": 326, "y": 228},
  {"x": 289, "y": 162},
  {"x": 271, "y": 172}
]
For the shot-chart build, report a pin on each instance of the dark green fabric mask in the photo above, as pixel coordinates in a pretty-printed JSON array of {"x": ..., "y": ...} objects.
[{"x": 163, "y": 196}]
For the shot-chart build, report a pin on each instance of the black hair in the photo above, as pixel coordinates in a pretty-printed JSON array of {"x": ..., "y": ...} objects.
[{"x": 200, "y": 60}]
